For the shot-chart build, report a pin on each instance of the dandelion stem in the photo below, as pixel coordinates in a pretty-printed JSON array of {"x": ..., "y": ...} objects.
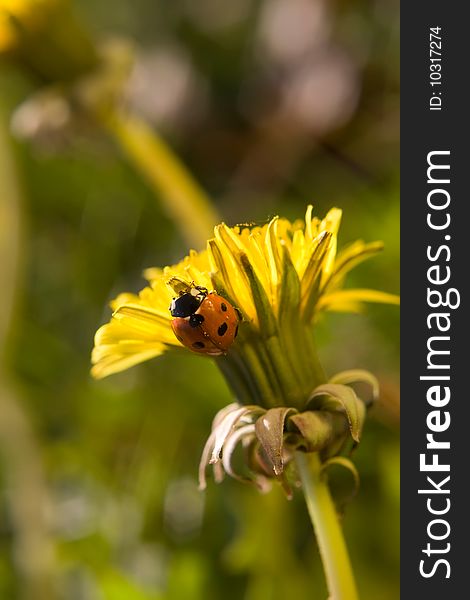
[
  {"x": 182, "y": 197},
  {"x": 334, "y": 554}
]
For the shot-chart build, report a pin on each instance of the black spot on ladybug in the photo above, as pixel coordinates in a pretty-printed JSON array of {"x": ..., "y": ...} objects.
[
  {"x": 196, "y": 320},
  {"x": 199, "y": 345},
  {"x": 223, "y": 307},
  {"x": 236, "y": 332},
  {"x": 222, "y": 329}
]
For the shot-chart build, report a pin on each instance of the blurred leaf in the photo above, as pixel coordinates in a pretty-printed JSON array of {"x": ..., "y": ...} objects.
[{"x": 115, "y": 586}]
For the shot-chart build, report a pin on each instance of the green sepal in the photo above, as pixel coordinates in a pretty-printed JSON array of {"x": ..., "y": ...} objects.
[
  {"x": 266, "y": 317},
  {"x": 317, "y": 428},
  {"x": 290, "y": 289},
  {"x": 337, "y": 397},
  {"x": 349, "y": 258},
  {"x": 139, "y": 317},
  {"x": 312, "y": 277},
  {"x": 270, "y": 433},
  {"x": 347, "y": 464},
  {"x": 220, "y": 276},
  {"x": 357, "y": 376}
]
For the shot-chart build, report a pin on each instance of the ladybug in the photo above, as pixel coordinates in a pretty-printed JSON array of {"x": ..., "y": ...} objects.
[{"x": 203, "y": 321}]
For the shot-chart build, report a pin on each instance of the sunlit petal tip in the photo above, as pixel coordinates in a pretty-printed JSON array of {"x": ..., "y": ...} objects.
[
  {"x": 124, "y": 298},
  {"x": 342, "y": 300},
  {"x": 308, "y": 214},
  {"x": 115, "y": 358},
  {"x": 152, "y": 273},
  {"x": 218, "y": 229},
  {"x": 273, "y": 220},
  {"x": 332, "y": 220}
]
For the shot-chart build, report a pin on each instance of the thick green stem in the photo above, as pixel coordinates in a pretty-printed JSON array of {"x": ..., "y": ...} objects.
[
  {"x": 334, "y": 554},
  {"x": 182, "y": 197}
]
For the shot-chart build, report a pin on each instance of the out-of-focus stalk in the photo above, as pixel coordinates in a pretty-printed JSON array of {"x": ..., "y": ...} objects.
[
  {"x": 19, "y": 452},
  {"x": 182, "y": 197},
  {"x": 46, "y": 38},
  {"x": 10, "y": 200}
]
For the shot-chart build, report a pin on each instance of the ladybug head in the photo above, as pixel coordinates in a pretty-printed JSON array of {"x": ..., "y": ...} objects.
[{"x": 187, "y": 303}]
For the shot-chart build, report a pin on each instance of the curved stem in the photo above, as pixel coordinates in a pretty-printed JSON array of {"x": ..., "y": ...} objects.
[
  {"x": 334, "y": 554},
  {"x": 182, "y": 197}
]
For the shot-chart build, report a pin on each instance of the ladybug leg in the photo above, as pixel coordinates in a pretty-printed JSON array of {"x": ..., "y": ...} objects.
[
  {"x": 196, "y": 320},
  {"x": 239, "y": 313}
]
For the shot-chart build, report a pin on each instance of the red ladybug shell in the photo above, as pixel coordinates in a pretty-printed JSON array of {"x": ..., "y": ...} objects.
[
  {"x": 193, "y": 337},
  {"x": 216, "y": 330},
  {"x": 220, "y": 323}
]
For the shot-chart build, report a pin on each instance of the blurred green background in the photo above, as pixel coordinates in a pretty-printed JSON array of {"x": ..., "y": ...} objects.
[{"x": 272, "y": 104}]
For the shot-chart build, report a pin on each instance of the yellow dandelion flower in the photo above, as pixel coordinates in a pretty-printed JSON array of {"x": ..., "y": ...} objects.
[{"x": 280, "y": 276}]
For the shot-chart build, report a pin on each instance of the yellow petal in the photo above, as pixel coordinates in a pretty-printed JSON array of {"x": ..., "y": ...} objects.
[
  {"x": 221, "y": 269},
  {"x": 349, "y": 258},
  {"x": 308, "y": 222},
  {"x": 256, "y": 250},
  {"x": 146, "y": 323},
  {"x": 274, "y": 262},
  {"x": 117, "y": 348},
  {"x": 123, "y": 298},
  {"x": 342, "y": 300},
  {"x": 310, "y": 283},
  {"x": 298, "y": 251},
  {"x": 115, "y": 359},
  {"x": 152, "y": 273},
  {"x": 331, "y": 223},
  {"x": 231, "y": 251}
]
